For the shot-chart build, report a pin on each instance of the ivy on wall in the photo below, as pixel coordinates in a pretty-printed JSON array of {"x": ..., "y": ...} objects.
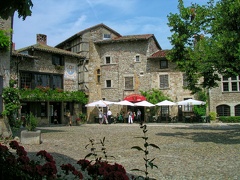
[
  {"x": 48, "y": 94},
  {"x": 4, "y": 40}
]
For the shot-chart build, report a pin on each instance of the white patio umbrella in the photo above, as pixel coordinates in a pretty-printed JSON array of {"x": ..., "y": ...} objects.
[
  {"x": 165, "y": 103},
  {"x": 191, "y": 102},
  {"x": 124, "y": 103},
  {"x": 100, "y": 103},
  {"x": 144, "y": 103}
]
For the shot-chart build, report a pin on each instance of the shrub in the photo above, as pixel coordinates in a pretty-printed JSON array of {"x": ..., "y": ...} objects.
[
  {"x": 230, "y": 119},
  {"x": 213, "y": 116},
  {"x": 31, "y": 122}
]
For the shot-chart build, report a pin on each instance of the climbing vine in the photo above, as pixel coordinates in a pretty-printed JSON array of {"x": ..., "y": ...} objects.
[{"x": 5, "y": 40}]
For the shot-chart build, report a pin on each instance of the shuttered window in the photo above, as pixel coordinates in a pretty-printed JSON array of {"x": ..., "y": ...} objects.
[{"x": 164, "y": 81}]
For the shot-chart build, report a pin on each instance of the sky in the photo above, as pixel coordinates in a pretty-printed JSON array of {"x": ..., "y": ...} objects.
[{"x": 60, "y": 19}]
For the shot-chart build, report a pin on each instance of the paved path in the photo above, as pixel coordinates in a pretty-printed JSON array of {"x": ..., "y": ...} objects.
[{"x": 187, "y": 151}]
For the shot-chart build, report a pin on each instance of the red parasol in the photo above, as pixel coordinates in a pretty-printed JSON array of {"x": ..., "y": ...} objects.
[{"x": 135, "y": 98}]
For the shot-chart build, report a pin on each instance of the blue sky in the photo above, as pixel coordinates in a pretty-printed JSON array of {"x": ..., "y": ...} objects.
[{"x": 60, "y": 19}]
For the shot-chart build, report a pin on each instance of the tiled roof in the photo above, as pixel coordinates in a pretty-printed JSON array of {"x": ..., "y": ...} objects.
[
  {"x": 159, "y": 54},
  {"x": 17, "y": 54},
  {"x": 88, "y": 29},
  {"x": 46, "y": 48},
  {"x": 129, "y": 38}
]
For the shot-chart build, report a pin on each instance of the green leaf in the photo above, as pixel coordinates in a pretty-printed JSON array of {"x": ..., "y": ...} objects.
[{"x": 137, "y": 147}]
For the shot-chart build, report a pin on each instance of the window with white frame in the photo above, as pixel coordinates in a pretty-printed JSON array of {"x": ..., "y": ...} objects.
[
  {"x": 106, "y": 36},
  {"x": 137, "y": 58},
  {"x": 164, "y": 84},
  {"x": 107, "y": 60},
  {"x": 129, "y": 83},
  {"x": 231, "y": 84},
  {"x": 108, "y": 83}
]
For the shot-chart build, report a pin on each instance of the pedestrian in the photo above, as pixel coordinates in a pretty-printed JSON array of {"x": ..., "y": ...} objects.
[
  {"x": 68, "y": 114},
  {"x": 130, "y": 121},
  {"x": 55, "y": 117},
  {"x": 100, "y": 117},
  {"x": 139, "y": 115},
  {"x": 105, "y": 118},
  {"x": 109, "y": 116},
  {"x": 133, "y": 116}
]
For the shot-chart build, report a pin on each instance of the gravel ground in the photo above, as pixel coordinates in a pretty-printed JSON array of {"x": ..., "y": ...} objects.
[{"x": 187, "y": 151}]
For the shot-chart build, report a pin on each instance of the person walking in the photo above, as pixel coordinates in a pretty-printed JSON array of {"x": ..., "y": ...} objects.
[{"x": 109, "y": 116}]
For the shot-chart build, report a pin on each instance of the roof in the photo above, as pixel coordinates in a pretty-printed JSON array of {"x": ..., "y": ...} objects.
[
  {"x": 86, "y": 30},
  {"x": 129, "y": 38},
  {"x": 159, "y": 54},
  {"x": 17, "y": 54},
  {"x": 46, "y": 48}
]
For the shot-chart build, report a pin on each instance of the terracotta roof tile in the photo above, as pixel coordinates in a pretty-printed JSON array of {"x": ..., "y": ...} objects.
[{"x": 159, "y": 54}]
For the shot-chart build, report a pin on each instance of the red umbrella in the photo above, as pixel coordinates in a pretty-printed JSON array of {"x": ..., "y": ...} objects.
[{"x": 135, "y": 98}]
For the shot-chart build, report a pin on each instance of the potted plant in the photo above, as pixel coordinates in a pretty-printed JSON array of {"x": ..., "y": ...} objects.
[
  {"x": 81, "y": 119},
  {"x": 31, "y": 135}
]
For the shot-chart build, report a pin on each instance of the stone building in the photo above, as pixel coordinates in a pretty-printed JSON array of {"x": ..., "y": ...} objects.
[
  {"x": 225, "y": 99},
  {"x": 42, "y": 66},
  {"x": 117, "y": 66}
]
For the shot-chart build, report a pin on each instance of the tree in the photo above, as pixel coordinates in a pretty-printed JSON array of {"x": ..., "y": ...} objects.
[
  {"x": 8, "y": 7},
  {"x": 206, "y": 41}
]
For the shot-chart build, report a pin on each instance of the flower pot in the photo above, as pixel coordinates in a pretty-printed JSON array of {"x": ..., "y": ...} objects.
[{"x": 30, "y": 137}]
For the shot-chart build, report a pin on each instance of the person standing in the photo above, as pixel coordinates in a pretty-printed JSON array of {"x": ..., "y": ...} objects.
[
  {"x": 100, "y": 117},
  {"x": 69, "y": 118},
  {"x": 130, "y": 121},
  {"x": 55, "y": 117},
  {"x": 139, "y": 115},
  {"x": 109, "y": 116}
]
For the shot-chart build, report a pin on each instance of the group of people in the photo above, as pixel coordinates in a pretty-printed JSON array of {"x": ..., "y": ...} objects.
[
  {"x": 133, "y": 116},
  {"x": 106, "y": 118}
]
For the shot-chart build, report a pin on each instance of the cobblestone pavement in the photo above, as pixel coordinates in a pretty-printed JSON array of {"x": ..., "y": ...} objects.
[{"x": 187, "y": 151}]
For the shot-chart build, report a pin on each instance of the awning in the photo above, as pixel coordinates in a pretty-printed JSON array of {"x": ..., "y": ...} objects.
[{"x": 135, "y": 98}]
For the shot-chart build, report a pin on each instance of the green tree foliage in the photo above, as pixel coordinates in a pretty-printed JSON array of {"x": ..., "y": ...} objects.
[
  {"x": 8, "y": 8},
  {"x": 206, "y": 41},
  {"x": 155, "y": 96}
]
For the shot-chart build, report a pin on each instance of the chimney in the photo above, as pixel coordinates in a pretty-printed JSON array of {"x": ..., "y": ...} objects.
[{"x": 42, "y": 39}]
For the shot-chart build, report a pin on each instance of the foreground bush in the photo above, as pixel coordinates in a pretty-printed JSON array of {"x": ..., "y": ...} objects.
[{"x": 20, "y": 167}]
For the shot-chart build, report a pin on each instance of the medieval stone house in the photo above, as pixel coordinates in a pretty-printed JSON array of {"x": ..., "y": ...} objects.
[
  {"x": 117, "y": 66},
  {"x": 41, "y": 66}
]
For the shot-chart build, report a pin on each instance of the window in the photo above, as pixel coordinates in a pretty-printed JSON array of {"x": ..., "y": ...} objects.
[
  {"x": 163, "y": 64},
  {"x": 25, "y": 80},
  {"x": 185, "y": 82},
  {"x": 32, "y": 80},
  {"x": 106, "y": 36},
  {"x": 57, "y": 60},
  {"x": 108, "y": 83},
  {"x": 164, "y": 110},
  {"x": 223, "y": 110},
  {"x": 98, "y": 76},
  {"x": 129, "y": 83},
  {"x": 164, "y": 81},
  {"x": 137, "y": 58},
  {"x": 231, "y": 84},
  {"x": 1, "y": 90},
  {"x": 107, "y": 59},
  {"x": 237, "y": 110}
]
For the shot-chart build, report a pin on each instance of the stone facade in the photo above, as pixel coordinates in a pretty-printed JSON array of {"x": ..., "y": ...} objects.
[
  {"x": 229, "y": 99},
  {"x": 5, "y": 57},
  {"x": 42, "y": 65}
]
